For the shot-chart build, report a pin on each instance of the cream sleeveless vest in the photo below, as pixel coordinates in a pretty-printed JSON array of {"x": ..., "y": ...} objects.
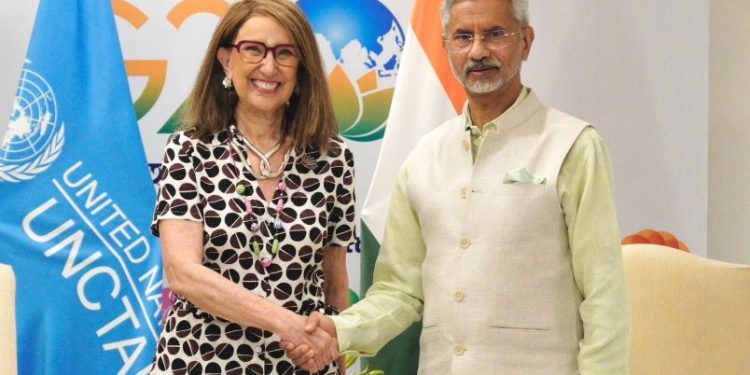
[{"x": 498, "y": 283}]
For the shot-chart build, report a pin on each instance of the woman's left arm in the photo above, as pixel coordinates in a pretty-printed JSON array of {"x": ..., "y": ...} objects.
[
  {"x": 336, "y": 280},
  {"x": 336, "y": 285},
  {"x": 341, "y": 230},
  {"x": 341, "y": 233}
]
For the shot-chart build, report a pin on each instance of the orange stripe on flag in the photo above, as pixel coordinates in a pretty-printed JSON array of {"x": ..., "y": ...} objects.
[{"x": 426, "y": 24}]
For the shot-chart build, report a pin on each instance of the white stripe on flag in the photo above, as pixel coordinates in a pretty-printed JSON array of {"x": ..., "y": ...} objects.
[{"x": 419, "y": 105}]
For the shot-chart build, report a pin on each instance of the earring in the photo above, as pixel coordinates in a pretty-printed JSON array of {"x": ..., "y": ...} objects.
[{"x": 227, "y": 83}]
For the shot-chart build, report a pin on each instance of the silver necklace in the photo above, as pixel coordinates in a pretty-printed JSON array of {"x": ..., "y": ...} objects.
[
  {"x": 266, "y": 172},
  {"x": 259, "y": 249},
  {"x": 265, "y": 163}
]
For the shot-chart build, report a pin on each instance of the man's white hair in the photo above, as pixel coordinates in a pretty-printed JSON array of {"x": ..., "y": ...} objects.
[{"x": 520, "y": 11}]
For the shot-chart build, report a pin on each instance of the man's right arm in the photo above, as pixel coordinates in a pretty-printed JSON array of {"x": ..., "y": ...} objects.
[{"x": 394, "y": 301}]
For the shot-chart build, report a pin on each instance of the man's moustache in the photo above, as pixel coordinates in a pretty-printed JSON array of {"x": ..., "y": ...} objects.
[{"x": 481, "y": 64}]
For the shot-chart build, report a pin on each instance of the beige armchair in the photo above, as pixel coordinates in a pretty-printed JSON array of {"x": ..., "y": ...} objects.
[
  {"x": 8, "y": 364},
  {"x": 690, "y": 315}
]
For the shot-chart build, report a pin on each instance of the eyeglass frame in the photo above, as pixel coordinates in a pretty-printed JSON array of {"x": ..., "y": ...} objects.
[
  {"x": 505, "y": 36},
  {"x": 267, "y": 48}
]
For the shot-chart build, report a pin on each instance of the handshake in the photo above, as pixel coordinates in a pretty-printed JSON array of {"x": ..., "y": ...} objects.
[{"x": 312, "y": 343}]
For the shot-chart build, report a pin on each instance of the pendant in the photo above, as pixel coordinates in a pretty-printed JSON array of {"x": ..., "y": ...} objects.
[
  {"x": 265, "y": 168},
  {"x": 265, "y": 262},
  {"x": 256, "y": 248},
  {"x": 275, "y": 246}
]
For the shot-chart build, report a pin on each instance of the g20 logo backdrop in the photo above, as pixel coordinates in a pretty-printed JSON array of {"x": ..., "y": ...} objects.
[{"x": 360, "y": 42}]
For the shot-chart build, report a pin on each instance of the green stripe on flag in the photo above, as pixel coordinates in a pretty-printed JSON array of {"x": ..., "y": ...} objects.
[{"x": 401, "y": 355}]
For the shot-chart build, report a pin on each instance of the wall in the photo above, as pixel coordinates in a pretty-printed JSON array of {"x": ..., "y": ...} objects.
[
  {"x": 729, "y": 132},
  {"x": 16, "y": 21},
  {"x": 638, "y": 70}
]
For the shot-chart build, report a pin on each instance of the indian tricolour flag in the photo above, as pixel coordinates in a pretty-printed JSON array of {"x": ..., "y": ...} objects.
[{"x": 426, "y": 95}]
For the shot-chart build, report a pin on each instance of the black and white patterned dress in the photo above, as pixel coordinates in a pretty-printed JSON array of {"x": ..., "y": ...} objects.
[{"x": 199, "y": 183}]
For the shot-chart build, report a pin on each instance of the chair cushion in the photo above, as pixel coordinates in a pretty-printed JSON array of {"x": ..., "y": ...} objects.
[{"x": 690, "y": 315}]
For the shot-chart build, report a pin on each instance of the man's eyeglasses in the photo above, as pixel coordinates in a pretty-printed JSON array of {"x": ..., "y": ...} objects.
[
  {"x": 253, "y": 52},
  {"x": 461, "y": 42}
]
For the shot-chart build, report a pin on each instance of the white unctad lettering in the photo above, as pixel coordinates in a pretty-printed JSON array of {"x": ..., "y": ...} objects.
[
  {"x": 128, "y": 359},
  {"x": 91, "y": 198},
  {"x": 74, "y": 241},
  {"x": 31, "y": 216},
  {"x": 153, "y": 288},
  {"x": 66, "y": 176},
  {"x": 117, "y": 213},
  {"x": 154, "y": 279},
  {"x": 101, "y": 270},
  {"x": 126, "y": 231},
  {"x": 101, "y": 206},
  {"x": 123, "y": 232},
  {"x": 129, "y": 314},
  {"x": 146, "y": 249}
]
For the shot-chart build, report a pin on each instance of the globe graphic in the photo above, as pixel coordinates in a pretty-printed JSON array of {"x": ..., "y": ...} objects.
[
  {"x": 33, "y": 120},
  {"x": 360, "y": 43}
]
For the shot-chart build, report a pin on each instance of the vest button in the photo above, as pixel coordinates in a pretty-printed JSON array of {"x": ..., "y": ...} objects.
[
  {"x": 466, "y": 144},
  {"x": 459, "y": 349},
  {"x": 465, "y": 243},
  {"x": 458, "y": 296}
]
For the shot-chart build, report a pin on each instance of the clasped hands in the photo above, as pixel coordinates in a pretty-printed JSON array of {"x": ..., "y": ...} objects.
[{"x": 311, "y": 343}]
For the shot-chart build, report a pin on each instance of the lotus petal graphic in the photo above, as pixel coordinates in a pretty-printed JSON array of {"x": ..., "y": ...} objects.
[
  {"x": 360, "y": 113},
  {"x": 360, "y": 43}
]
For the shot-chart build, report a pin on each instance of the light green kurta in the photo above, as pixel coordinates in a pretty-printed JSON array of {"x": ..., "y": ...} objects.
[{"x": 584, "y": 188}]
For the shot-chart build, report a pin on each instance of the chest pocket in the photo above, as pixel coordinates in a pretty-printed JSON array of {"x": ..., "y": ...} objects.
[{"x": 504, "y": 189}]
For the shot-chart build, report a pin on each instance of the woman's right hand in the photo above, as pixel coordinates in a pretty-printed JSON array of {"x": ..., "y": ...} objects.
[{"x": 314, "y": 350}]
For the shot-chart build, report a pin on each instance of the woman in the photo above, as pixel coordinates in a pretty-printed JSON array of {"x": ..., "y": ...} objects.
[{"x": 256, "y": 203}]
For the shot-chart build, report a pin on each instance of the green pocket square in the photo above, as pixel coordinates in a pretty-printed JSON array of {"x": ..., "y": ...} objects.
[{"x": 522, "y": 176}]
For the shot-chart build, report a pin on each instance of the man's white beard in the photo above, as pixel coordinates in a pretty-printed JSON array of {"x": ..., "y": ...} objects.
[{"x": 482, "y": 87}]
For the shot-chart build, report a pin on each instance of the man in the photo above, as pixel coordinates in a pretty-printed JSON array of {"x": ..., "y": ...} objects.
[{"x": 502, "y": 233}]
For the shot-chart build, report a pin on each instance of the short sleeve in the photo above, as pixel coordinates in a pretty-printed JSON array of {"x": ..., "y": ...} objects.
[
  {"x": 178, "y": 196},
  {"x": 341, "y": 227}
]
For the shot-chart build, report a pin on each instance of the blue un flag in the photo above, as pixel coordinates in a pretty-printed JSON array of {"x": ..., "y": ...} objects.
[{"x": 76, "y": 200}]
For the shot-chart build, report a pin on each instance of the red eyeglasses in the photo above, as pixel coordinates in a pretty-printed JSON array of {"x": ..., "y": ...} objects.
[{"x": 253, "y": 52}]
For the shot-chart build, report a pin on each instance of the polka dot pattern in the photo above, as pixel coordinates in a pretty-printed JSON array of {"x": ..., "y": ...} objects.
[{"x": 199, "y": 181}]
